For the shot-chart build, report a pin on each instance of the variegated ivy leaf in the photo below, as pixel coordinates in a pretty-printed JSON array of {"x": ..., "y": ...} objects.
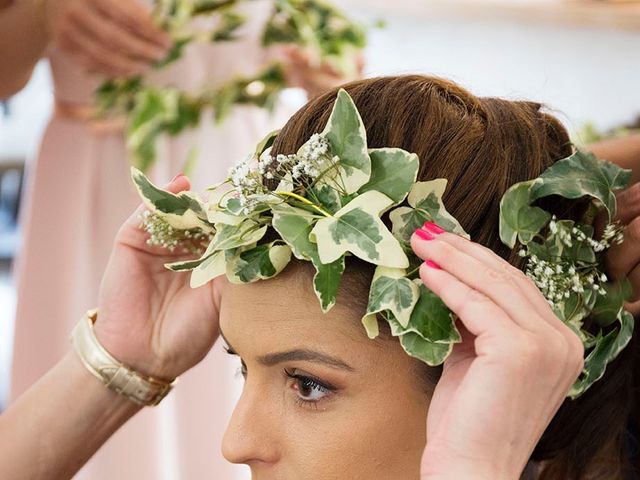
[
  {"x": 518, "y": 219},
  {"x": 431, "y": 331},
  {"x": 393, "y": 172},
  {"x": 582, "y": 174},
  {"x": 183, "y": 211},
  {"x": 425, "y": 199},
  {"x": 432, "y": 319},
  {"x": 212, "y": 267},
  {"x": 228, "y": 237},
  {"x": 327, "y": 197},
  {"x": 431, "y": 353},
  {"x": 348, "y": 138},
  {"x": 606, "y": 349},
  {"x": 390, "y": 290},
  {"x": 259, "y": 263},
  {"x": 357, "y": 228},
  {"x": 294, "y": 226},
  {"x": 326, "y": 281}
]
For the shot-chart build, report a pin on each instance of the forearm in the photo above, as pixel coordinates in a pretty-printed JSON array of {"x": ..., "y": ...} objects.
[
  {"x": 24, "y": 40},
  {"x": 623, "y": 151},
  {"x": 59, "y": 423}
]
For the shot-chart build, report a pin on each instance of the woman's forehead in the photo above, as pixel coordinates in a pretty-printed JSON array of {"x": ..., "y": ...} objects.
[{"x": 283, "y": 313}]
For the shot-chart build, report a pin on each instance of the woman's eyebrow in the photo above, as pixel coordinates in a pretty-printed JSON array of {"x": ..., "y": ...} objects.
[{"x": 304, "y": 355}]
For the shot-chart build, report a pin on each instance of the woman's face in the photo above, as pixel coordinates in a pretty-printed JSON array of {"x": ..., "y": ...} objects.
[{"x": 320, "y": 400}]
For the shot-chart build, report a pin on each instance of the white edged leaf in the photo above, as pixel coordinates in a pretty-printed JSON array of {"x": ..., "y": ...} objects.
[
  {"x": 425, "y": 200},
  {"x": 258, "y": 263},
  {"x": 228, "y": 237},
  {"x": 390, "y": 290},
  {"x": 393, "y": 172},
  {"x": 326, "y": 282},
  {"x": 519, "y": 221},
  {"x": 294, "y": 226},
  {"x": 606, "y": 349},
  {"x": 183, "y": 211},
  {"x": 348, "y": 138},
  {"x": 583, "y": 174},
  {"x": 212, "y": 267},
  {"x": 356, "y": 228}
]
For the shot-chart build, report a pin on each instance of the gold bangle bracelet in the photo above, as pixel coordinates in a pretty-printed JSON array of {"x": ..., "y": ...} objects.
[{"x": 138, "y": 388}]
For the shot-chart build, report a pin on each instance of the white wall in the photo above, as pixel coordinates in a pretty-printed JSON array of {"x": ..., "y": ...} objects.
[{"x": 586, "y": 74}]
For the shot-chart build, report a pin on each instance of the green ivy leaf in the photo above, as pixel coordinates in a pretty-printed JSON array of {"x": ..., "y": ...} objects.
[
  {"x": 425, "y": 199},
  {"x": 326, "y": 282},
  {"x": 328, "y": 197},
  {"x": 183, "y": 211},
  {"x": 518, "y": 219},
  {"x": 431, "y": 353},
  {"x": 606, "y": 349},
  {"x": 390, "y": 290},
  {"x": 393, "y": 172},
  {"x": 608, "y": 305},
  {"x": 582, "y": 174},
  {"x": 259, "y": 263},
  {"x": 294, "y": 226},
  {"x": 348, "y": 138},
  {"x": 357, "y": 228},
  {"x": 229, "y": 237}
]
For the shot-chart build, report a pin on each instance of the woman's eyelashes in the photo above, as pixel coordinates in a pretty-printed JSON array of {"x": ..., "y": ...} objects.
[{"x": 310, "y": 391}]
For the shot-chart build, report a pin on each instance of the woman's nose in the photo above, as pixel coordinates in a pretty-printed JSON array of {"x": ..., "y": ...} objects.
[{"x": 251, "y": 435}]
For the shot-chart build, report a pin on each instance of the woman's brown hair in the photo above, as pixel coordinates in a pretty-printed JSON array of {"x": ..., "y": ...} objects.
[{"x": 483, "y": 146}]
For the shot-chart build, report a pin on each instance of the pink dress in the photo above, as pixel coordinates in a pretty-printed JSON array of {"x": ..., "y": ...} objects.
[{"x": 78, "y": 195}]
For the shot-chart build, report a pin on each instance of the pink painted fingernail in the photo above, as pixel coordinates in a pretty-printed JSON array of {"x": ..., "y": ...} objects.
[
  {"x": 424, "y": 234},
  {"x": 433, "y": 228},
  {"x": 432, "y": 264},
  {"x": 177, "y": 176}
]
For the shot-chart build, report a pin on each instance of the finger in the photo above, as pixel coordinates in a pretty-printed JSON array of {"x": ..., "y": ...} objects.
[
  {"x": 628, "y": 204},
  {"x": 118, "y": 63},
  {"x": 479, "y": 314},
  {"x": 623, "y": 258},
  {"x": 67, "y": 42},
  {"x": 114, "y": 36},
  {"x": 84, "y": 42},
  {"x": 495, "y": 284},
  {"x": 134, "y": 17},
  {"x": 490, "y": 259}
]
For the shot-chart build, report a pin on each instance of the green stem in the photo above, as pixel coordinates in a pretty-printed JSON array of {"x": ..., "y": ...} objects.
[{"x": 306, "y": 202}]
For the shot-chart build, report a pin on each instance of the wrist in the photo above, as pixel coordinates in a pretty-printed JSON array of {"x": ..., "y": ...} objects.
[
  {"x": 115, "y": 375},
  {"x": 133, "y": 348},
  {"x": 110, "y": 403},
  {"x": 446, "y": 465}
]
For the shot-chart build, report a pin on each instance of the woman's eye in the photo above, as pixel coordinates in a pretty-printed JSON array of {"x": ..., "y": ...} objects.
[{"x": 309, "y": 390}]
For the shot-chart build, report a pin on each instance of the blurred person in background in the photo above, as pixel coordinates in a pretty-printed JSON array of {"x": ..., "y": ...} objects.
[{"x": 78, "y": 193}]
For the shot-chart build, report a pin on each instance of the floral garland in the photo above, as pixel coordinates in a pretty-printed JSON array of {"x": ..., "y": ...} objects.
[
  {"x": 325, "y": 203},
  {"x": 153, "y": 111}
]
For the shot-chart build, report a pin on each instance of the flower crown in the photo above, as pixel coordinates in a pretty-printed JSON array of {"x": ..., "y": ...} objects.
[{"x": 325, "y": 202}]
